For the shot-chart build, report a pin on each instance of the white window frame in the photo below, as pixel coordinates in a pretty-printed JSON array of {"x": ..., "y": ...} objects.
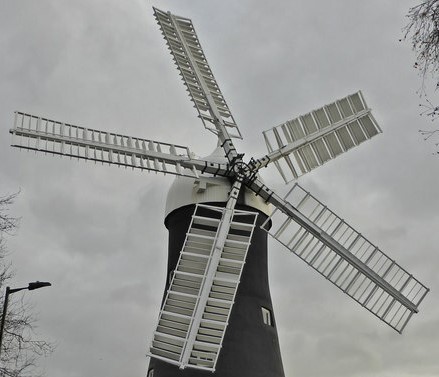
[{"x": 267, "y": 318}]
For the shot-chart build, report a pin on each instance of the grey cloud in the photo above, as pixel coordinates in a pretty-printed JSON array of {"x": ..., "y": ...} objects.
[{"x": 97, "y": 232}]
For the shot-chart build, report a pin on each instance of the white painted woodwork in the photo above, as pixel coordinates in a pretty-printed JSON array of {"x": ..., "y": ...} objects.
[
  {"x": 350, "y": 261},
  {"x": 209, "y": 189},
  {"x": 302, "y": 144},
  {"x": 203, "y": 89},
  {"x": 196, "y": 310},
  {"x": 36, "y": 133}
]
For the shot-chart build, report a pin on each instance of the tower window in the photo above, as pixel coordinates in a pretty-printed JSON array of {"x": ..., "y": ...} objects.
[
  {"x": 266, "y": 316},
  {"x": 150, "y": 373}
]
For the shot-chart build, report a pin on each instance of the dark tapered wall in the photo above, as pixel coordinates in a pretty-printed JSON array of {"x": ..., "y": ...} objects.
[{"x": 250, "y": 347}]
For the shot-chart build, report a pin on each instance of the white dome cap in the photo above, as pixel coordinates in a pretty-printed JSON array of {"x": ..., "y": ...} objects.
[{"x": 207, "y": 189}]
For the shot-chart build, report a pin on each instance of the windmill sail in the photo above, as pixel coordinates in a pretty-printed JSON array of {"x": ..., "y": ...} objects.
[
  {"x": 203, "y": 89},
  {"x": 195, "y": 312},
  {"x": 45, "y": 135},
  {"x": 342, "y": 255},
  {"x": 304, "y": 143}
]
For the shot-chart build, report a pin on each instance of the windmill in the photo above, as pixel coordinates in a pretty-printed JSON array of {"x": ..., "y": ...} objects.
[{"x": 216, "y": 314}]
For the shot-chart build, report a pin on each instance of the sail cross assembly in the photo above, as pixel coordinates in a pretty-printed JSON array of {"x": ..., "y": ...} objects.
[{"x": 216, "y": 246}]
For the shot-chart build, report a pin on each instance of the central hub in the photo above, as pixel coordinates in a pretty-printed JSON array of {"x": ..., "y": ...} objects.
[{"x": 240, "y": 168}]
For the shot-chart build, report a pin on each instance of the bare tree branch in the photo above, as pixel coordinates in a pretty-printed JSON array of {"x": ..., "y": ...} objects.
[
  {"x": 7, "y": 222},
  {"x": 423, "y": 32},
  {"x": 20, "y": 349}
]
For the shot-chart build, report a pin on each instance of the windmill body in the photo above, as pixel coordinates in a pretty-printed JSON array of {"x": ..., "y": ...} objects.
[
  {"x": 216, "y": 314},
  {"x": 250, "y": 346}
]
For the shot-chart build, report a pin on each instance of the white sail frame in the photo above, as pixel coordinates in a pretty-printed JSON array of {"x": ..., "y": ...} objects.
[
  {"x": 41, "y": 134},
  {"x": 196, "y": 310},
  {"x": 302, "y": 144},
  {"x": 337, "y": 251},
  {"x": 203, "y": 89}
]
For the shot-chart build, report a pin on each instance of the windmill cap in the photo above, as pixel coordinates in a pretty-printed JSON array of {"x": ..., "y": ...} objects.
[{"x": 208, "y": 189}]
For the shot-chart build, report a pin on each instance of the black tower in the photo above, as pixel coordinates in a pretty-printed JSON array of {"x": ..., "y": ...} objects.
[{"x": 251, "y": 346}]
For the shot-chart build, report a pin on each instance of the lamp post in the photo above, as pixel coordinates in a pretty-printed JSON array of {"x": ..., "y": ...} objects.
[{"x": 30, "y": 287}]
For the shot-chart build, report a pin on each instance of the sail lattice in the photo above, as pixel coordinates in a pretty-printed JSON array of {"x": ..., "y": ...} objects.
[
  {"x": 189, "y": 57},
  {"x": 353, "y": 264},
  {"x": 44, "y": 135},
  {"x": 188, "y": 334},
  {"x": 309, "y": 141}
]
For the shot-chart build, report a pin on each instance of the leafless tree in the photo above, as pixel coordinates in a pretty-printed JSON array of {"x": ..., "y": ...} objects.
[
  {"x": 423, "y": 32},
  {"x": 20, "y": 350}
]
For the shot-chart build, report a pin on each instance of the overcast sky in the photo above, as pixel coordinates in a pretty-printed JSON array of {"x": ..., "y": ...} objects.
[{"x": 97, "y": 233}]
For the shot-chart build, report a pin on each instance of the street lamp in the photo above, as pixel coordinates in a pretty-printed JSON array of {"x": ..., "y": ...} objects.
[{"x": 30, "y": 287}]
